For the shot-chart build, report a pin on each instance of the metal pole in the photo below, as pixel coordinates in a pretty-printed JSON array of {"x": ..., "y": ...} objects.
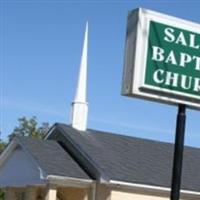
[{"x": 178, "y": 153}]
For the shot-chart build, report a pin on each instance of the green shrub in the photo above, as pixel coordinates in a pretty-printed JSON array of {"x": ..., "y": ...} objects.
[{"x": 2, "y": 196}]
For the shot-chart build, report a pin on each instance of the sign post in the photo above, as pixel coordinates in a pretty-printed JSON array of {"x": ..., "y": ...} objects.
[
  {"x": 178, "y": 152},
  {"x": 162, "y": 63}
]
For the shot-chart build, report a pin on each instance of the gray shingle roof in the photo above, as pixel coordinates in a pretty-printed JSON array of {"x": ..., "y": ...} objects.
[
  {"x": 133, "y": 160},
  {"x": 52, "y": 158}
]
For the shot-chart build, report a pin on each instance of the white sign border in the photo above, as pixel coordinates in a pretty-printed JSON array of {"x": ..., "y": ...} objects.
[{"x": 144, "y": 18}]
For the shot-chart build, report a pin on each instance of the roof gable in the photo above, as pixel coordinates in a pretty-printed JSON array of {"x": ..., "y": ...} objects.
[
  {"x": 53, "y": 159},
  {"x": 31, "y": 161},
  {"x": 18, "y": 174}
]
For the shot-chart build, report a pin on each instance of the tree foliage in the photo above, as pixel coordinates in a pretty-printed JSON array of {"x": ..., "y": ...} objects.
[
  {"x": 2, "y": 147},
  {"x": 2, "y": 195},
  {"x": 29, "y": 128}
]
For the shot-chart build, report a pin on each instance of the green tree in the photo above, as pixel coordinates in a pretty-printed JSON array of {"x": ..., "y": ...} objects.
[
  {"x": 2, "y": 195},
  {"x": 29, "y": 128},
  {"x": 2, "y": 147}
]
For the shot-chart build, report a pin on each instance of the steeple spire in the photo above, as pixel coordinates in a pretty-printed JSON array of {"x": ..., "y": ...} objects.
[{"x": 80, "y": 105}]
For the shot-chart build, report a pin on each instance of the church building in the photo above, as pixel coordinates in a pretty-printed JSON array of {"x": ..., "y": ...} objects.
[{"x": 74, "y": 162}]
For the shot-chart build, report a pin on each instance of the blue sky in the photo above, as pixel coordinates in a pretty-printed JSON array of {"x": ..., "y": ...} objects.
[{"x": 40, "y": 50}]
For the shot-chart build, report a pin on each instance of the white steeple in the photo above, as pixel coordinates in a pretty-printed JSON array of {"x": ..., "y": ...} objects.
[{"x": 79, "y": 105}]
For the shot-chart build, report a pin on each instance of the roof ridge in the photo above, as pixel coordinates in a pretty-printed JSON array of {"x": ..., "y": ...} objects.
[
  {"x": 85, "y": 161},
  {"x": 89, "y": 131}
]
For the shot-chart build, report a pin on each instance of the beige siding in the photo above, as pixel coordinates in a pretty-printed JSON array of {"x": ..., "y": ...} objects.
[
  {"x": 119, "y": 195},
  {"x": 31, "y": 193},
  {"x": 103, "y": 192},
  {"x": 73, "y": 194}
]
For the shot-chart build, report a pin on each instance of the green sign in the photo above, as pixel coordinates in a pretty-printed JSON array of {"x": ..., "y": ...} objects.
[
  {"x": 173, "y": 59},
  {"x": 162, "y": 58}
]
